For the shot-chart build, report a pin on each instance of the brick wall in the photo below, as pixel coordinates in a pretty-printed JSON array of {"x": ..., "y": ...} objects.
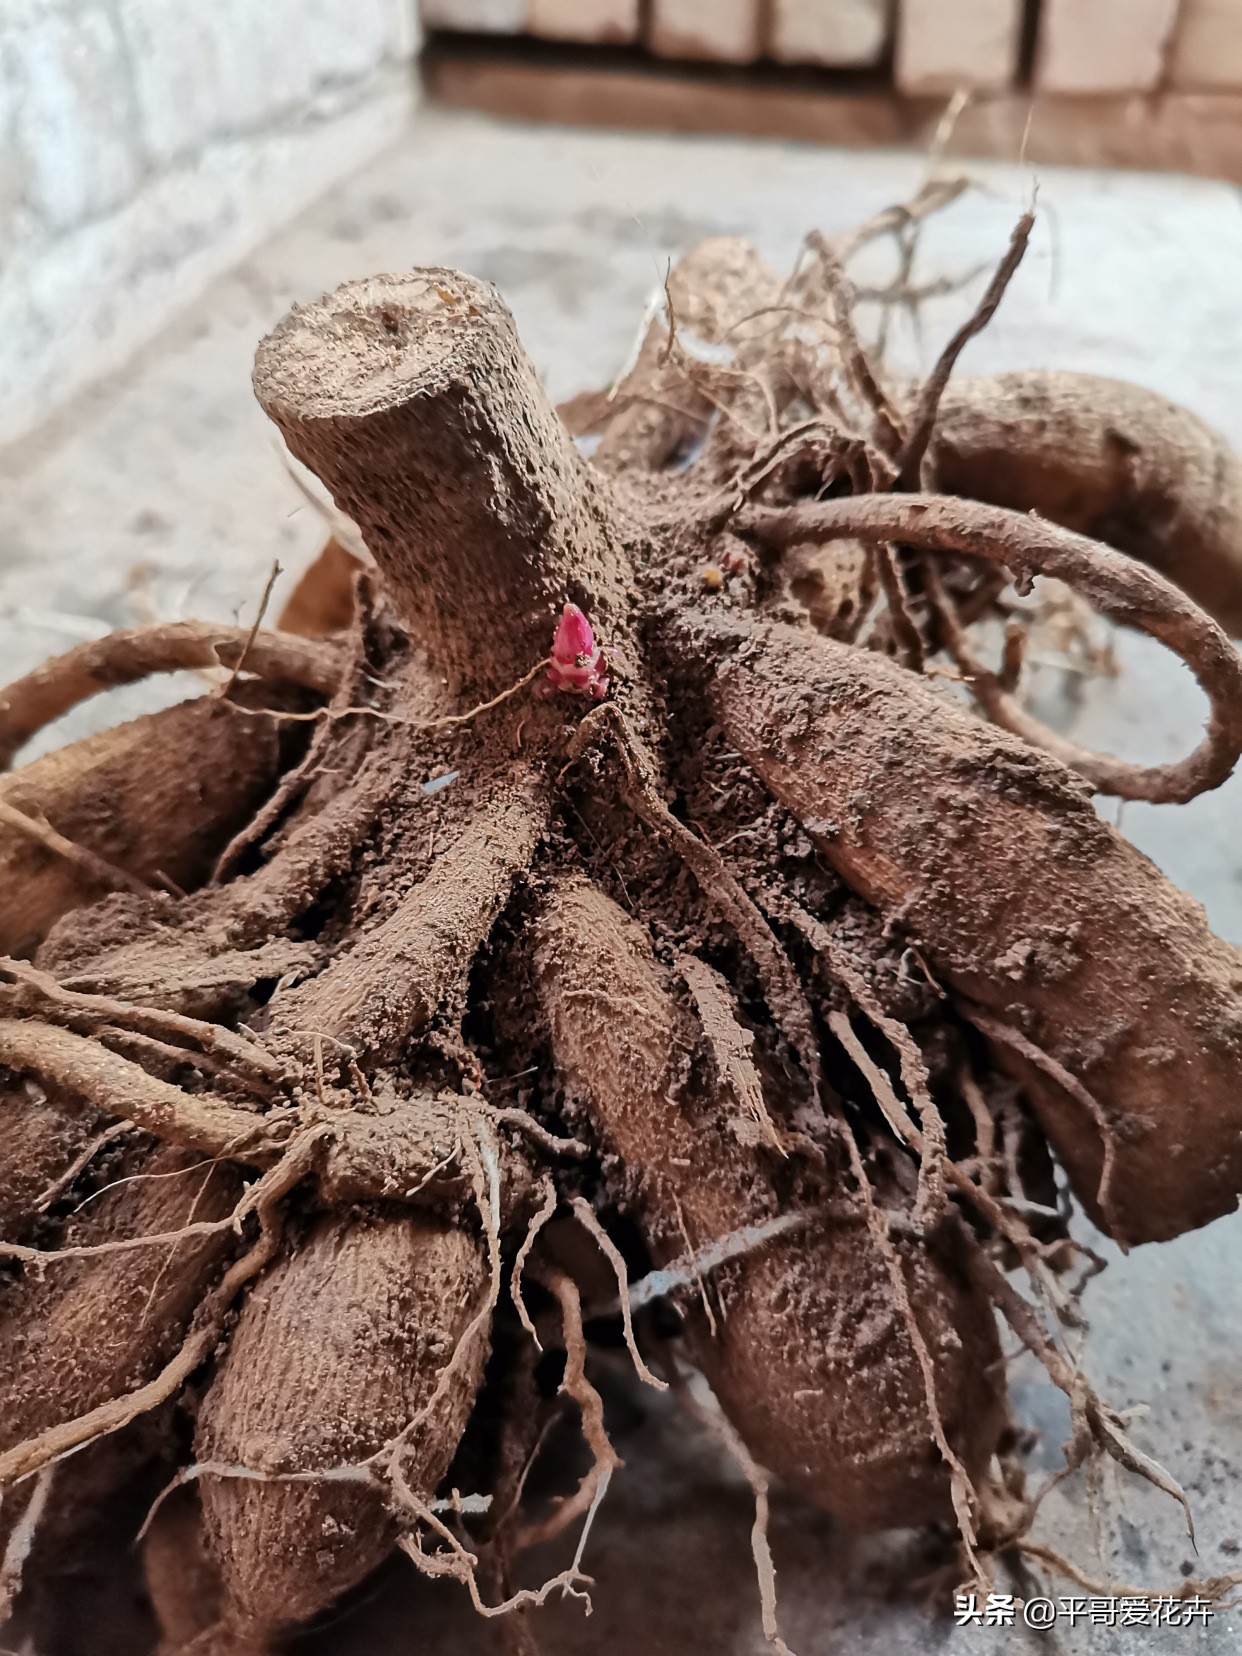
[
  {"x": 146, "y": 145},
  {"x": 1081, "y": 46}
]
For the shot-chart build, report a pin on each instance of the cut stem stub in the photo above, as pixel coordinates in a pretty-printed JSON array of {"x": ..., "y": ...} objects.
[{"x": 413, "y": 400}]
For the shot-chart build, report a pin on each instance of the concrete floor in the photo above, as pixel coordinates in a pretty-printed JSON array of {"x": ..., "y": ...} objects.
[{"x": 163, "y": 490}]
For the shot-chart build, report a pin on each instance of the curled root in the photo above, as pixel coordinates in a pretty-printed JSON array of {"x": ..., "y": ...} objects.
[
  {"x": 29, "y": 703},
  {"x": 1110, "y": 460},
  {"x": 375, "y": 953},
  {"x": 457, "y": 1563},
  {"x": 143, "y": 807},
  {"x": 1116, "y": 586}
]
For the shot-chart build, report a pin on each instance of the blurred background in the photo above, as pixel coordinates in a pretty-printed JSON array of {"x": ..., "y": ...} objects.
[
  {"x": 148, "y": 145},
  {"x": 174, "y": 174}
]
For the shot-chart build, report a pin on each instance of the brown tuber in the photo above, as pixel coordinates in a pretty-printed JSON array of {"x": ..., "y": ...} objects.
[
  {"x": 939, "y": 821},
  {"x": 337, "y": 1351},
  {"x": 618, "y": 861},
  {"x": 100, "y": 1318},
  {"x": 806, "y": 1349},
  {"x": 146, "y": 805}
]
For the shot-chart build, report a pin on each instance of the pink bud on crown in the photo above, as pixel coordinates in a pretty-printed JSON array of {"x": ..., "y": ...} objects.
[{"x": 577, "y": 663}]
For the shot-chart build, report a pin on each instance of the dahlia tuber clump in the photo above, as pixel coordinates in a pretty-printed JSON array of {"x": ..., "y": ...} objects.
[{"x": 609, "y": 856}]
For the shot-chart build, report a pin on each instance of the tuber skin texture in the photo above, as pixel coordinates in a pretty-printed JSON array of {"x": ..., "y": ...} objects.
[
  {"x": 575, "y": 881},
  {"x": 91, "y": 1329},
  {"x": 335, "y": 1353},
  {"x": 941, "y": 821},
  {"x": 155, "y": 800},
  {"x": 1110, "y": 460},
  {"x": 43, "y": 1137},
  {"x": 95, "y": 1327},
  {"x": 808, "y": 1355}
]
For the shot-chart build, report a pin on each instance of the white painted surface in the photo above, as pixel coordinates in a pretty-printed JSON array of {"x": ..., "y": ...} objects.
[
  {"x": 838, "y": 33},
  {"x": 147, "y": 145},
  {"x": 946, "y": 45},
  {"x": 1103, "y": 45}
]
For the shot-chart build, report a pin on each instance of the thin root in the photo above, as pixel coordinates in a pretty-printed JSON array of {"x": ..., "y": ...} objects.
[
  {"x": 52, "y": 689},
  {"x": 94, "y": 869},
  {"x": 605, "y": 1459},
  {"x": 21, "y": 1541},
  {"x": 718, "y": 1423},
  {"x": 931, "y": 1142},
  {"x": 923, "y": 422},
  {"x": 589, "y": 1221},
  {"x": 546, "y": 1210},
  {"x": 1095, "y": 1424},
  {"x": 962, "y": 1491},
  {"x": 122, "y": 1089},
  {"x": 1210, "y": 1587},
  {"x": 780, "y": 981},
  {"x": 730, "y": 1044}
]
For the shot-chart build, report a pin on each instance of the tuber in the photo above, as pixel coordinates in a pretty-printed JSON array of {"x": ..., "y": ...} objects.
[{"x": 619, "y": 864}]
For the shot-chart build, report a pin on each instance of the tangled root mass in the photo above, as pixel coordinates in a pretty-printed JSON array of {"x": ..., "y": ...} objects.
[{"x": 370, "y": 1023}]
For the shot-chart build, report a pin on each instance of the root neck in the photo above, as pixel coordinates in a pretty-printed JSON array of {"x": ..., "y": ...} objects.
[{"x": 412, "y": 399}]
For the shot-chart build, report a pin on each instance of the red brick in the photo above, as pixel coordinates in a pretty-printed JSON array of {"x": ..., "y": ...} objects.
[
  {"x": 1103, "y": 45},
  {"x": 943, "y": 45},
  {"x": 603, "y": 22},
  {"x": 1206, "y": 51},
  {"x": 727, "y": 30},
  {"x": 840, "y": 33}
]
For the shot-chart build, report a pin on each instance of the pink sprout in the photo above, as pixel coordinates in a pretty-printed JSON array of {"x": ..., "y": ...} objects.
[{"x": 578, "y": 663}]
